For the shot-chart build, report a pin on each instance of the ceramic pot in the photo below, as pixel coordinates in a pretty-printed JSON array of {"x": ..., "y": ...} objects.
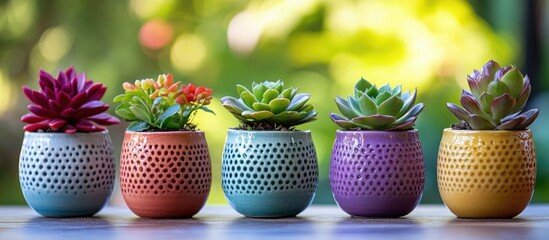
[
  {"x": 165, "y": 174},
  {"x": 66, "y": 175},
  {"x": 486, "y": 174},
  {"x": 269, "y": 174},
  {"x": 377, "y": 173}
]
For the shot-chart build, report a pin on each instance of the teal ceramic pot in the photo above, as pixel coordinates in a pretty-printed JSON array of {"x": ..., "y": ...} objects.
[
  {"x": 66, "y": 175},
  {"x": 269, "y": 174}
]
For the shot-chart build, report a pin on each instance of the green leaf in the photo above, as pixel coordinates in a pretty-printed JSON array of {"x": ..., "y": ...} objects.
[
  {"x": 240, "y": 89},
  {"x": 259, "y": 90},
  {"x": 498, "y": 88},
  {"x": 391, "y": 106},
  {"x": 345, "y": 108},
  {"x": 126, "y": 114},
  {"x": 119, "y": 98},
  {"x": 514, "y": 81},
  {"x": 234, "y": 105},
  {"x": 501, "y": 106},
  {"x": 373, "y": 92},
  {"x": 486, "y": 99},
  {"x": 385, "y": 88},
  {"x": 414, "y": 111},
  {"x": 269, "y": 95},
  {"x": 362, "y": 85},
  {"x": 298, "y": 101},
  {"x": 287, "y": 93},
  {"x": 367, "y": 105},
  {"x": 355, "y": 106},
  {"x": 409, "y": 101},
  {"x": 206, "y": 109},
  {"x": 376, "y": 121},
  {"x": 169, "y": 112},
  {"x": 138, "y": 126},
  {"x": 141, "y": 114},
  {"x": 397, "y": 90},
  {"x": 478, "y": 123},
  {"x": 248, "y": 98},
  {"x": 257, "y": 116},
  {"x": 259, "y": 106},
  {"x": 279, "y": 105},
  {"x": 382, "y": 97}
]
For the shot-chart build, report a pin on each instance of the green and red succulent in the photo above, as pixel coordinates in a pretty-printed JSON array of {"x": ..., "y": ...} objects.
[
  {"x": 161, "y": 105},
  {"x": 497, "y": 97},
  {"x": 69, "y": 103},
  {"x": 371, "y": 108},
  {"x": 269, "y": 106}
]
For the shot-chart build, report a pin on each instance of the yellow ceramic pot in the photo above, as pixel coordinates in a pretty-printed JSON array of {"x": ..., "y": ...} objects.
[{"x": 486, "y": 174}]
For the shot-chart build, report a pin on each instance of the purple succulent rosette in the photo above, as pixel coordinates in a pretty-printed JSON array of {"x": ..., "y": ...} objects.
[
  {"x": 497, "y": 97},
  {"x": 68, "y": 103}
]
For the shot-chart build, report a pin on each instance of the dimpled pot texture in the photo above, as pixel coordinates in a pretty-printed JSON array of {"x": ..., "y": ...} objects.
[
  {"x": 165, "y": 174},
  {"x": 377, "y": 173},
  {"x": 486, "y": 174},
  {"x": 269, "y": 174},
  {"x": 66, "y": 175}
]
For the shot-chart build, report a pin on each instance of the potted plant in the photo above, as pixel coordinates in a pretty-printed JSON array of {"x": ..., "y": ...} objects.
[
  {"x": 165, "y": 167},
  {"x": 377, "y": 167},
  {"x": 269, "y": 169},
  {"x": 487, "y": 163},
  {"x": 66, "y": 166}
]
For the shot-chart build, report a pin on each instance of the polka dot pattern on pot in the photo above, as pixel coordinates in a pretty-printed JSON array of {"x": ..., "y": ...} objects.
[
  {"x": 256, "y": 168},
  {"x": 377, "y": 169},
  {"x": 502, "y": 165},
  {"x": 157, "y": 169},
  {"x": 67, "y": 169}
]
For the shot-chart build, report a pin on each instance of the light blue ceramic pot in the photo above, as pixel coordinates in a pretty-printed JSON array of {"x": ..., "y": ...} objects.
[
  {"x": 66, "y": 175},
  {"x": 269, "y": 174}
]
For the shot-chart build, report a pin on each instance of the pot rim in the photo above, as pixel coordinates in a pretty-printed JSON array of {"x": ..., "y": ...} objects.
[
  {"x": 375, "y": 131},
  {"x": 164, "y": 132},
  {"x": 267, "y": 132},
  {"x": 450, "y": 130},
  {"x": 106, "y": 131}
]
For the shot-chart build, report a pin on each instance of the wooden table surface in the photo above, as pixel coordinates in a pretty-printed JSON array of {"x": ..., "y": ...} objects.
[{"x": 316, "y": 223}]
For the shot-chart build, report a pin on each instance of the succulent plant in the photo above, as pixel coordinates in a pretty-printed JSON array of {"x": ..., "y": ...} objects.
[
  {"x": 68, "y": 103},
  {"x": 162, "y": 105},
  {"x": 270, "y": 106},
  {"x": 371, "y": 108},
  {"x": 497, "y": 97}
]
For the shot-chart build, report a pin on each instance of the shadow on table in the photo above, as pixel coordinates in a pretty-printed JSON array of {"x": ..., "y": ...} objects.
[
  {"x": 69, "y": 228},
  {"x": 355, "y": 226},
  {"x": 279, "y": 226},
  {"x": 516, "y": 228}
]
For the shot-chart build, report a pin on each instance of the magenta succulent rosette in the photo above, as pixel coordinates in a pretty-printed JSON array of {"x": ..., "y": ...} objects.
[
  {"x": 69, "y": 103},
  {"x": 66, "y": 165}
]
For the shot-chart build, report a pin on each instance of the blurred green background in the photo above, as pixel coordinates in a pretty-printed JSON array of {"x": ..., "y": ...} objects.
[{"x": 320, "y": 46}]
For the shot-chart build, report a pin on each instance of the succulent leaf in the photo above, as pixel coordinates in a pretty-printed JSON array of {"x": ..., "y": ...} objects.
[
  {"x": 377, "y": 109},
  {"x": 271, "y": 106},
  {"x": 498, "y": 95},
  {"x": 68, "y": 103},
  {"x": 279, "y": 105},
  {"x": 391, "y": 106}
]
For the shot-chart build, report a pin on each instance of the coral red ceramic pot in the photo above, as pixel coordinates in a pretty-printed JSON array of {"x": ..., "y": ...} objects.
[{"x": 165, "y": 174}]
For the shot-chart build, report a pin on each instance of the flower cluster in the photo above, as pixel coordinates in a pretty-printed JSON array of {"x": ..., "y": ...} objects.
[
  {"x": 161, "y": 105},
  {"x": 69, "y": 103}
]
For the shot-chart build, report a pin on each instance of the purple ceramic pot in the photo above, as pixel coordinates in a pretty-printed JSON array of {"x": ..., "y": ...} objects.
[{"x": 377, "y": 173}]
